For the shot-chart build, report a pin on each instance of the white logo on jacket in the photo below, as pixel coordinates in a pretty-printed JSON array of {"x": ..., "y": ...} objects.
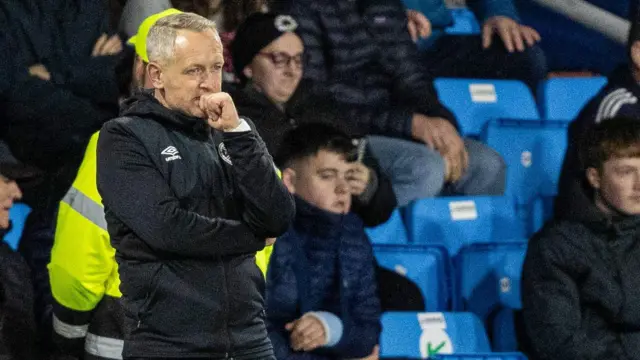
[
  {"x": 171, "y": 154},
  {"x": 222, "y": 151}
]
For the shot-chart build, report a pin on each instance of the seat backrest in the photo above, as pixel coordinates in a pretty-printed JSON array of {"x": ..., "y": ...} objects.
[
  {"x": 464, "y": 23},
  {"x": 427, "y": 266},
  {"x": 422, "y": 335},
  {"x": 475, "y": 102},
  {"x": 391, "y": 232},
  {"x": 533, "y": 152},
  {"x": 455, "y": 222},
  {"x": 18, "y": 216},
  {"x": 488, "y": 277},
  {"x": 564, "y": 98}
]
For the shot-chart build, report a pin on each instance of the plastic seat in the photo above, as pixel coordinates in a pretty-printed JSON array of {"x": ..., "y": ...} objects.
[
  {"x": 534, "y": 153},
  {"x": 489, "y": 277},
  {"x": 455, "y": 222},
  {"x": 428, "y": 266},
  {"x": 422, "y": 335},
  {"x": 391, "y": 232},
  {"x": 18, "y": 215},
  {"x": 476, "y": 102},
  {"x": 564, "y": 98}
]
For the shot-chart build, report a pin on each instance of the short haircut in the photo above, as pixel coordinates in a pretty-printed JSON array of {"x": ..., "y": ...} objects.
[
  {"x": 162, "y": 36},
  {"x": 614, "y": 138},
  {"x": 307, "y": 140}
]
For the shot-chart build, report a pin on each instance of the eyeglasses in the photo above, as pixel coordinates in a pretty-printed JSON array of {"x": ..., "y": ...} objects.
[{"x": 281, "y": 59}]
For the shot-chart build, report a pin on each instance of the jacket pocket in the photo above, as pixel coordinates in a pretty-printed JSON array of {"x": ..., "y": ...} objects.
[{"x": 152, "y": 289}]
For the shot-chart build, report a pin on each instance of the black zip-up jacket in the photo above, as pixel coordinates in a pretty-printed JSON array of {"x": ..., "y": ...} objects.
[
  {"x": 581, "y": 287},
  {"x": 187, "y": 207}
]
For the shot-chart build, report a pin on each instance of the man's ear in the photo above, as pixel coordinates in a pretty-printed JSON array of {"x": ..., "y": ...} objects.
[
  {"x": 593, "y": 176},
  {"x": 154, "y": 71},
  {"x": 289, "y": 179}
]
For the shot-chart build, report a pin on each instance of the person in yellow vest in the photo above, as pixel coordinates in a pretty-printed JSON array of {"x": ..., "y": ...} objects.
[{"x": 83, "y": 271}]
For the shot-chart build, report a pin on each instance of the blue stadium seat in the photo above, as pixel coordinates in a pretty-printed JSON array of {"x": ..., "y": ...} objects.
[
  {"x": 428, "y": 266},
  {"x": 503, "y": 330},
  {"x": 464, "y": 23},
  {"x": 488, "y": 277},
  {"x": 458, "y": 221},
  {"x": 391, "y": 232},
  {"x": 489, "y": 356},
  {"x": 533, "y": 152},
  {"x": 421, "y": 335},
  {"x": 18, "y": 215},
  {"x": 563, "y": 98},
  {"x": 475, "y": 102}
]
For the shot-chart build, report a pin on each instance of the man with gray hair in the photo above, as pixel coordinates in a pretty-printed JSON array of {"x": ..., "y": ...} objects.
[{"x": 190, "y": 194}]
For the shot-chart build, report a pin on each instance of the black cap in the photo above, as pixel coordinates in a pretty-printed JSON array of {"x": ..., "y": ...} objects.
[{"x": 258, "y": 31}]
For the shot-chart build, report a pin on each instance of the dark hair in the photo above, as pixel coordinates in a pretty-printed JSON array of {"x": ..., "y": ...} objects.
[
  {"x": 234, "y": 11},
  {"x": 308, "y": 139},
  {"x": 614, "y": 138}
]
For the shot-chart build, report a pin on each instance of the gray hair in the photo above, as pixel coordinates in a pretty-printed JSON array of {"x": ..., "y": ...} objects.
[{"x": 162, "y": 35}]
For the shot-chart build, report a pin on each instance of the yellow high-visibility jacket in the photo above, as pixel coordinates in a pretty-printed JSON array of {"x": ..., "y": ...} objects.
[{"x": 84, "y": 274}]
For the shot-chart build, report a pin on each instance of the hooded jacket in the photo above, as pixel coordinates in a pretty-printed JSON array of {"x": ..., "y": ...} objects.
[
  {"x": 187, "y": 208},
  {"x": 324, "y": 264},
  {"x": 618, "y": 98},
  {"x": 580, "y": 287}
]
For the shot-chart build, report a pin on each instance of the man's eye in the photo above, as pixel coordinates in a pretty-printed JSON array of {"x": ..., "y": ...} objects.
[{"x": 194, "y": 71}]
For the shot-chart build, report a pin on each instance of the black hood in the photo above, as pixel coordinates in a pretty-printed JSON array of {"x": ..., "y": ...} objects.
[
  {"x": 144, "y": 105},
  {"x": 623, "y": 77}
]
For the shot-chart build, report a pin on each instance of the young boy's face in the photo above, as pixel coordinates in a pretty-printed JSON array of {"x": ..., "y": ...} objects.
[
  {"x": 618, "y": 185},
  {"x": 321, "y": 181}
]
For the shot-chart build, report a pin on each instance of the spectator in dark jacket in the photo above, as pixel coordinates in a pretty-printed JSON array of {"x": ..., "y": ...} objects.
[
  {"x": 618, "y": 98},
  {"x": 268, "y": 57},
  {"x": 57, "y": 87},
  {"x": 321, "y": 290},
  {"x": 505, "y": 48},
  {"x": 581, "y": 282},
  {"x": 267, "y": 101},
  {"x": 190, "y": 194}
]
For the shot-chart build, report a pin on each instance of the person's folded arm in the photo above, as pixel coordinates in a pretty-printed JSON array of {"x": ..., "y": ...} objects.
[{"x": 137, "y": 194}]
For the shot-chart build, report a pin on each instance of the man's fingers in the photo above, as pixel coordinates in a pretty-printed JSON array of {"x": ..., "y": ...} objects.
[
  {"x": 413, "y": 31},
  {"x": 517, "y": 38},
  {"x": 505, "y": 35},
  {"x": 487, "y": 34},
  {"x": 97, "y": 48},
  {"x": 290, "y": 326}
]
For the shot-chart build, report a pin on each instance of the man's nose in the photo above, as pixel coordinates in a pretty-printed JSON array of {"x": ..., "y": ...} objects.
[{"x": 211, "y": 82}]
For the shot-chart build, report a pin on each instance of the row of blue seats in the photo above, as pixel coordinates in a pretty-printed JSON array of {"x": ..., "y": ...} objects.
[
  {"x": 437, "y": 336},
  {"x": 475, "y": 102}
]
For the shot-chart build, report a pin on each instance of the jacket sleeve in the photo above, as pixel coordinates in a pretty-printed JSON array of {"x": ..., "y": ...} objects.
[
  {"x": 135, "y": 192},
  {"x": 361, "y": 330},
  {"x": 379, "y": 207},
  {"x": 268, "y": 206},
  {"x": 484, "y": 9},
  {"x": 551, "y": 306},
  {"x": 79, "y": 269}
]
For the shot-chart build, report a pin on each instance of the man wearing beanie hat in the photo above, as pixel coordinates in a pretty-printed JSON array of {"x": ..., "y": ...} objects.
[
  {"x": 269, "y": 58},
  {"x": 618, "y": 98}
]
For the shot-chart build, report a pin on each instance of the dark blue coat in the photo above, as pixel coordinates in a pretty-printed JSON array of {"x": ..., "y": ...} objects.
[{"x": 323, "y": 251}]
